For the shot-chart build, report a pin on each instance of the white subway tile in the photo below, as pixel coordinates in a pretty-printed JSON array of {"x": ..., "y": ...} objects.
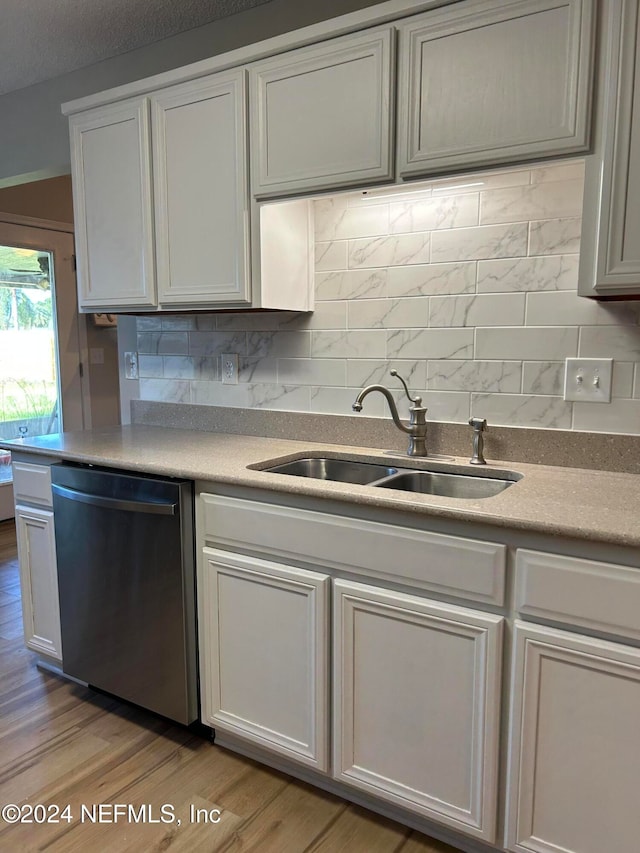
[
  {"x": 430, "y": 343},
  {"x": 528, "y": 344},
  {"x": 352, "y": 284},
  {"x": 361, "y": 372},
  {"x": 622, "y": 384},
  {"x": 430, "y": 279},
  {"x": 536, "y": 201},
  {"x": 618, "y": 416},
  {"x": 451, "y": 406},
  {"x": 522, "y": 410},
  {"x": 488, "y": 241},
  {"x": 150, "y": 366},
  {"x": 407, "y": 313},
  {"x": 215, "y": 343},
  {"x": 178, "y": 367},
  {"x": 545, "y": 272},
  {"x": 331, "y": 256},
  {"x": 148, "y": 324},
  {"x": 349, "y": 344},
  {"x": 339, "y": 222},
  {"x": 543, "y": 377},
  {"x": 294, "y": 344},
  {"x": 455, "y": 211},
  {"x": 326, "y": 315},
  {"x": 163, "y": 343},
  {"x": 257, "y": 370},
  {"x": 564, "y": 308},
  {"x": 555, "y": 236},
  {"x": 312, "y": 371},
  {"x": 570, "y": 170},
  {"x": 495, "y": 310},
  {"x": 165, "y": 390},
  {"x": 394, "y": 250},
  {"x": 494, "y": 376},
  {"x": 182, "y": 323},
  {"x": 618, "y": 342},
  {"x": 339, "y": 401}
]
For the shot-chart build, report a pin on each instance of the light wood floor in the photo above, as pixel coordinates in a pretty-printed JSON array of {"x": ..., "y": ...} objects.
[{"x": 63, "y": 744}]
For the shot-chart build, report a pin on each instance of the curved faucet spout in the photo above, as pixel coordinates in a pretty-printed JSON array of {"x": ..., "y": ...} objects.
[
  {"x": 357, "y": 406},
  {"x": 417, "y": 426}
]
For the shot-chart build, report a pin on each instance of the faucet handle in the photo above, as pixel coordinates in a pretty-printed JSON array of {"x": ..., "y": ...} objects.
[{"x": 417, "y": 401}]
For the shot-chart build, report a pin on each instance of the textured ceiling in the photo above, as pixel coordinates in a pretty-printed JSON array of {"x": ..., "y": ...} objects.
[{"x": 40, "y": 39}]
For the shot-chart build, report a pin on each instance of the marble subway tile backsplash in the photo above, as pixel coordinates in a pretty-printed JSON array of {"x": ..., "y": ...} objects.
[{"x": 466, "y": 286}]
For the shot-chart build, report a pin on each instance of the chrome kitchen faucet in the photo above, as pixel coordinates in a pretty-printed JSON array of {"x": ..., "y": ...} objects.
[{"x": 417, "y": 426}]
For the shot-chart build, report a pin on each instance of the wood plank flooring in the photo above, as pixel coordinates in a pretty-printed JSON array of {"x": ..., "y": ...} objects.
[{"x": 64, "y": 744}]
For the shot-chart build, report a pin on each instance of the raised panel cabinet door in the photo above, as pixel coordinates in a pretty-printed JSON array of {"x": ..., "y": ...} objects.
[
  {"x": 574, "y": 752},
  {"x": 485, "y": 82},
  {"x": 264, "y": 654},
  {"x": 200, "y": 191},
  {"x": 111, "y": 173},
  {"x": 39, "y": 580},
  {"x": 610, "y": 247},
  {"x": 417, "y": 704},
  {"x": 321, "y": 116}
]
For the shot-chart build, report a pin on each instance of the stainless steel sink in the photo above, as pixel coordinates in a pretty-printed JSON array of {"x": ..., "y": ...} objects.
[
  {"x": 467, "y": 486},
  {"x": 342, "y": 470},
  {"x": 451, "y": 481}
]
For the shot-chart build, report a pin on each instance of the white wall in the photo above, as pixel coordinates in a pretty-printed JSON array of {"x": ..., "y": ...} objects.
[
  {"x": 469, "y": 291},
  {"x": 34, "y": 140}
]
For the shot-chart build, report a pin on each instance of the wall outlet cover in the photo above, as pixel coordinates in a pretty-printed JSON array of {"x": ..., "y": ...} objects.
[
  {"x": 229, "y": 366},
  {"x": 588, "y": 380}
]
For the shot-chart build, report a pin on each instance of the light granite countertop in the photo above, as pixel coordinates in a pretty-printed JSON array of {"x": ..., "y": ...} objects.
[{"x": 593, "y": 505}]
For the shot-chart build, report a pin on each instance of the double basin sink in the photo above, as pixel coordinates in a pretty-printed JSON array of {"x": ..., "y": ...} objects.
[{"x": 450, "y": 481}]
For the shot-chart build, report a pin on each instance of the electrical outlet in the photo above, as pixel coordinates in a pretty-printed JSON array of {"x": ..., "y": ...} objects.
[
  {"x": 230, "y": 368},
  {"x": 131, "y": 365},
  {"x": 588, "y": 380}
]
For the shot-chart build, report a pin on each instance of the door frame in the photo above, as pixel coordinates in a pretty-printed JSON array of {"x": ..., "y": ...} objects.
[{"x": 71, "y": 331}]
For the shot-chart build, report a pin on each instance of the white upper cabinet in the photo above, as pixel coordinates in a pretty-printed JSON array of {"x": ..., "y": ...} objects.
[
  {"x": 111, "y": 167},
  {"x": 199, "y": 203},
  {"x": 486, "y": 82},
  {"x": 610, "y": 249},
  {"x": 201, "y": 194},
  {"x": 321, "y": 116}
]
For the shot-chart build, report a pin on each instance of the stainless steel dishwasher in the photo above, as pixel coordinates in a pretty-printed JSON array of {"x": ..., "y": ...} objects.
[{"x": 126, "y": 580}]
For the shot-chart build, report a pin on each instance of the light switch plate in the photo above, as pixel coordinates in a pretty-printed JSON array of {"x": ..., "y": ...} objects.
[
  {"x": 588, "y": 380},
  {"x": 131, "y": 365}
]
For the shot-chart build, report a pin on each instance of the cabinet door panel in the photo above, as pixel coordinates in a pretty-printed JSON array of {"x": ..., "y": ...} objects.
[
  {"x": 201, "y": 194},
  {"x": 111, "y": 166},
  {"x": 264, "y": 649},
  {"x": 487, "y": 82},
  {"x": 574, "y": 769},
  {"x": 417, "y": 704},
  {"x": 39, "y": 580},
  {"x": 322, "y": 115},
  {"x": 610, "y": 248}
]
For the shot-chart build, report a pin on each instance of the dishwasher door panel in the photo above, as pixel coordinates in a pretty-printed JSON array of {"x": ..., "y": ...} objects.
[{"x": 125, "y": 574}]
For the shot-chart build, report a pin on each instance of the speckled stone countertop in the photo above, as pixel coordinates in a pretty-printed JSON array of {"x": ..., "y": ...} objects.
[{"x": 593, "y": 505}]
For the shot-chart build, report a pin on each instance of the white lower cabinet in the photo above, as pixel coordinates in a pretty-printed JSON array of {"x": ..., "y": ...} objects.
[
  {"x": 574, "y": 766},
  {"x": 417, "y": 704},
  {"x": 39, "y": 580},
  {"x": 264, "y": 654},
  {"x": 415, "y": 683}
]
